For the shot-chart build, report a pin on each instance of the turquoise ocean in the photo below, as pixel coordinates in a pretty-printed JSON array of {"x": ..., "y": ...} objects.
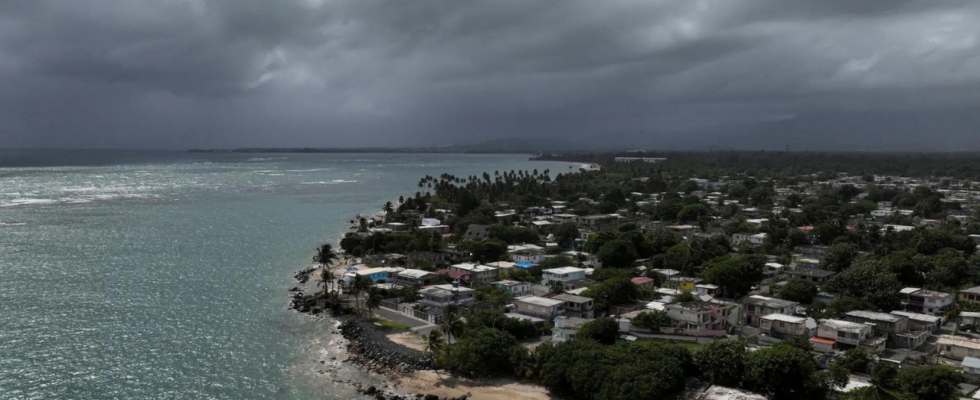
[{"x": 164, "y": 275}]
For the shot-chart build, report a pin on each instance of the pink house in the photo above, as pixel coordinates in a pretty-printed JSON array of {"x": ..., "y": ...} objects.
[{"x": 643, "y": 281}]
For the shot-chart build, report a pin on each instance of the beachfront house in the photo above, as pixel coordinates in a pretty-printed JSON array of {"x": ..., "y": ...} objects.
[
  {"x": 441, "y": 296},
  {"x": 540, "y": 307},
  {"x": 414, "y": 277},
  {"x": 383, "y": 274}
]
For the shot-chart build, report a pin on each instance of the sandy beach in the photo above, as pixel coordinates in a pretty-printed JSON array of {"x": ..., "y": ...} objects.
[{"x": 444, "y": 385}]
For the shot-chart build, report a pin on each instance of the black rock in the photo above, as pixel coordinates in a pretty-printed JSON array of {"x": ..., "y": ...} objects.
[
  {"x": 380, "y": 396},
  {"x": 370, "y": 390},
  {"x": 430, "y": 397}
]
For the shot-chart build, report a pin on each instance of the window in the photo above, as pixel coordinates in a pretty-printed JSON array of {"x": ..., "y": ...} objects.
[{"x": 841, "y": 334}]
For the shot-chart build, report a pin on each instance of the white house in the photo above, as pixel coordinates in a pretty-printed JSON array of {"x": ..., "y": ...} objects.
[{"x": 563, "y": 274}]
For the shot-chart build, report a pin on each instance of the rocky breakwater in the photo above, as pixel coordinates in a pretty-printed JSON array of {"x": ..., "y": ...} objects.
[{"x": 368, "y": 345}]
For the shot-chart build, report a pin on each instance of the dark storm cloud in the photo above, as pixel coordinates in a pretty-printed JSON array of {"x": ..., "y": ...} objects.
[{"x": 179, "y": 73}]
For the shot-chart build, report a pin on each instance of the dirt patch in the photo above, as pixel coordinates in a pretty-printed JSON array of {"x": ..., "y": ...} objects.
[{"x": 408, "y": 339}]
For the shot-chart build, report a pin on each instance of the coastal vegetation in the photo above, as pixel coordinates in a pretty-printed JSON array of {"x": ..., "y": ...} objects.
[{"x": 691, "y": 215}]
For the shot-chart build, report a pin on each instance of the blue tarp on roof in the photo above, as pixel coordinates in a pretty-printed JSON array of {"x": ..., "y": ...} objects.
[{"x": 524, "y": 265}]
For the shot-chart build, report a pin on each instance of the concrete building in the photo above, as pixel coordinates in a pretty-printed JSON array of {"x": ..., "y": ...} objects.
[
  {"x": 479, "y": 274},
  {"x": 414, "y": 277},
  {"x": 781, "y": 326},
  {"x": 971, "y": 295},
  {"x": 441, "y": 296},
  {"x": 514, "y": 288},
  {"x": 838, "y": 334},
  {"x": 565, "y": 328},
  {"x": 755, "y": 307},
  {"x": 577, "y": 306},
  {"x": 922, "y": 322},
  {"x": 563, "y": 274},
  {"x": 697, "y": 316},
  {"x": 540, "y": 307},
  {"x": 927, "y": 301},
  {"x": 957, "y": 347}
]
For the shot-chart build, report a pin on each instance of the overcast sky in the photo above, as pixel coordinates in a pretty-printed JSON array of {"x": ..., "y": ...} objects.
[{"x": 200, "y": 73}]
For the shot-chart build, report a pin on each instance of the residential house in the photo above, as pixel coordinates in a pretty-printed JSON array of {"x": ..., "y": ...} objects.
[
  {"x": 514, "y": 288},
  {"x": 958, "y": 347},
  {"x": 755, "y": 307},
  {"x": 817, "y": 276},
  {"x": 600, "y": 222},
  {"x": 530, "y": 256},
  {"x": 540, "y": 307},
  {"x": 566, "y": 327},
  {"x": 382, "y": 274},
  {"x": 971, "y": 295},
  {"x": 577, "y": 306},
  {"x": 442, "y": 296},
  {"x": 414, "y": 277},
  {"x": 922, "y": 322},
  {"x": 896, "y": 326},
  {"x": 643, "y": 281},
  {"x": 927, "y": 301},
  {"x": 479, "y": 274},
  {"x": 686, "y": 283},
  {"x": 562, "y": 274},
  {"x": 697, "y": 316},
  {"x": 833, "y": 334},
  {"x": 971, "y": 368},
  {"x": 705, "y": 289},
  {"x": 782, "y": 326}
]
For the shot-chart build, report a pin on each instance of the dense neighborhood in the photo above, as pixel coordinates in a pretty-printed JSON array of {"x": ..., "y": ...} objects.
[{"x": 703, "y": 276}]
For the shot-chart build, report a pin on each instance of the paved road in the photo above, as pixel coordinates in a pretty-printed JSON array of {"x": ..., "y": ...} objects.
[{"x": 399, "y": 317}]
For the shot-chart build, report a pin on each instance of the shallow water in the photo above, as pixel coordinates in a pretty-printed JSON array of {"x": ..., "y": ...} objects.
[{"x": 164, "y": 274}]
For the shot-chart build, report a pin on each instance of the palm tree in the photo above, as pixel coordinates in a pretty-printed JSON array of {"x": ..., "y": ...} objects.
[
  {"x": 452, "y": 325},
  {"x": 388, "y": 208},
  {"x": 325, "y": 256},
  {"x": 374, "y": 300},
  {"x": 326, "y": 279},
  {"x": 434, "y": 342},
  {"x": 360, "y": 284}
]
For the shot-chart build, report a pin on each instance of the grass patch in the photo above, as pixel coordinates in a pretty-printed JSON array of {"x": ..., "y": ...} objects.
[
  {"x": 691, "y": 346},
  {"x": 392, "y": 325}
]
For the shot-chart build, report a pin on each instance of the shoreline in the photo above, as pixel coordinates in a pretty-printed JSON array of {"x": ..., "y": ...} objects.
[{"x": 391, "y": 365}]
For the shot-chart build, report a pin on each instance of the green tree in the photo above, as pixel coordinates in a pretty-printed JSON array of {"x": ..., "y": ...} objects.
[
  {"x": 735, "y": 275},
  {"x": 937, "y": 382},
  {"x": 798, "y": 290},
  {"x": 482, "y": 353},
  {"x": 784, "y": 372},
  {"x": 870, "y": 280},
  {"x": 612, "y": 292},
  {"x": 652, "y": 320},
  {"x": 617, "y": 254},
  {"x": 839, "y": 257},
  {"x": 855, "y": 360},
  {"x": 598, "y": 239},
  {"x": 692, "y": 212},
  {"x": 565, "y": 234},
  {"x": 722, "y": 362},
  {"x": 602, "y": 330}
]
